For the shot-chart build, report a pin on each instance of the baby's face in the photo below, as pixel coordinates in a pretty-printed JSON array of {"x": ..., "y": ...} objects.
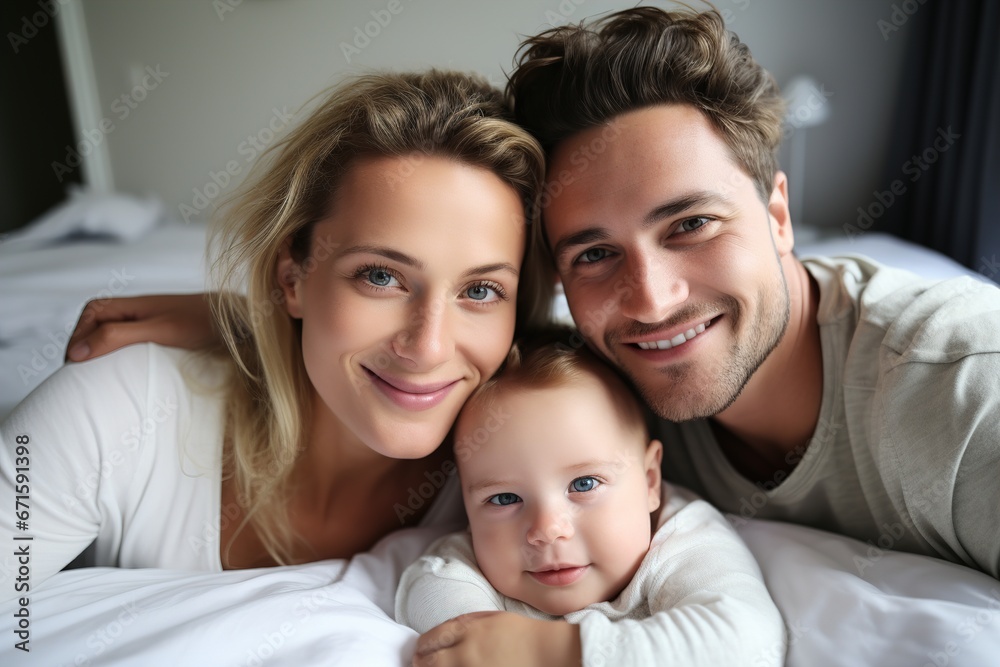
[{"x": 558, "y": 492}]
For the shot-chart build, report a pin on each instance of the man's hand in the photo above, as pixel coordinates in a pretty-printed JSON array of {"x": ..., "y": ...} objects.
[
  {"x": 489, "y": 638},
  {"x": 177, "y": 320}
]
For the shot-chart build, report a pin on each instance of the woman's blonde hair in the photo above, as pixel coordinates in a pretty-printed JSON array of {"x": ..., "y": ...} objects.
[{"x": 445, "y": 114}]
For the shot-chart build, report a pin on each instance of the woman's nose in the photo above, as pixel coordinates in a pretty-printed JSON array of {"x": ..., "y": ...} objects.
[{"x": 426, "y": 339}]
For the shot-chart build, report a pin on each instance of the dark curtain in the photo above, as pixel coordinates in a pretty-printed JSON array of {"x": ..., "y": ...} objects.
[{"x": 946, "y": 148}]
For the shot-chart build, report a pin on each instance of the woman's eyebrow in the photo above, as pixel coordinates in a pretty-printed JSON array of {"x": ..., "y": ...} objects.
[
  {"x": 403, "y": 258},
  {"x": 490, "y": 268},
  {"x": 388, "y": 253}
]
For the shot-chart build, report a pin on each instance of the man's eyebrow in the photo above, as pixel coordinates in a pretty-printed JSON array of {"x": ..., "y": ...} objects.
[
  {"x": 685, "y": 202},
  {"x": 582, "y": 237}
]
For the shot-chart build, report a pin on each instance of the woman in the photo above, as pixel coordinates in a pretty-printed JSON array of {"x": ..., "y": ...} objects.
[{"x": 367, "y": 282}]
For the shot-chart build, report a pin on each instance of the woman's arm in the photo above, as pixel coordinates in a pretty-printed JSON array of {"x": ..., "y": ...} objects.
[
  {"x": 59, "y": 450},
  {"x": 117, "y": 450},
  {"x": 175, "y": 320}
]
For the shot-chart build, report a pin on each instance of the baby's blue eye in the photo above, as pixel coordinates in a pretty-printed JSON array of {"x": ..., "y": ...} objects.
[
  {"x": 379, "y": 277},
  {"x": 584, "y": 484},
  {"x": 503, "y": 499}
]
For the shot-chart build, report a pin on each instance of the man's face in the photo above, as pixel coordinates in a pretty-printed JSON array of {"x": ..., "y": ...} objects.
[{"x": 670, "y": 261}]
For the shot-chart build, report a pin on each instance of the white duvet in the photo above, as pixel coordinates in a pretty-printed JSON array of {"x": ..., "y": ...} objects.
[{"x": 845, "y": 603}]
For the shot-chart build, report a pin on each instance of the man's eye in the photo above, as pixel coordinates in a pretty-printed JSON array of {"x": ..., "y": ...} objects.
[
  {"x": 692, "y": 224},
  {"x": 584, "y": 484},
  {"x": 503, "y": 499},
  {"x": 593, "y": 255}
]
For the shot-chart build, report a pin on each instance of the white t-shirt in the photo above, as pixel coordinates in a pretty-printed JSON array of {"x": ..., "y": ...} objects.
[
  {"x": 125, "y": 451},
  {"x": 698, "y": 597},
  {"x": 906, "y": 453}
]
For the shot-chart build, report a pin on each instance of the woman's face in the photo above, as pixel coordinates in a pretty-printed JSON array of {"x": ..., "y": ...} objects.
[{"x": 407, "y": 300}]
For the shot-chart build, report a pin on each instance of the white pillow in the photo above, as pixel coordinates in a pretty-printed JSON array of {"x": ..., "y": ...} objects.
[
  {"x": 850, "y": 604},
  {"x": 117, "y": 217},
  {"x": 891, "y": 251}
]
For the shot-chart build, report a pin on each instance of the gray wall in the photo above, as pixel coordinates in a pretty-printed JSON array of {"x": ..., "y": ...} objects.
[{"x": 223, "y": 73}]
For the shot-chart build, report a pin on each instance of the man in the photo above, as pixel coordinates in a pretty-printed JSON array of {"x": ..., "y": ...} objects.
[{"x": 834, "y": 393}]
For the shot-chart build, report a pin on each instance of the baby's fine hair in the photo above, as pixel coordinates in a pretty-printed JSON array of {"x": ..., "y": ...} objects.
[{"x": 556, "y": 357}]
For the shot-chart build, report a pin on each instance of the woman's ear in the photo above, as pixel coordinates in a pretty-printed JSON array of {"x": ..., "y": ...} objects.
[
  {"x": 780, "y": 218},
  {"x": 289, "y": 276},
  {"x": 652, "y": 460}
]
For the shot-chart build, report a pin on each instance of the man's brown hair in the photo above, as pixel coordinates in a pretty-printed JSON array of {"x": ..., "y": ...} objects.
[{"x": 572, "y": 78}]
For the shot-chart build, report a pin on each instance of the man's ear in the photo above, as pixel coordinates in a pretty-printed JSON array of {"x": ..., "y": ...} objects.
[
  {"x": 652, "y": 459},
  {"x": 289, "y": 276},
  {"x": 780, "y": 218}
]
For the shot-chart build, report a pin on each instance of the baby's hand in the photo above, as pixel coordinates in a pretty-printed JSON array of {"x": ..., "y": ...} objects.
[{"x": 499, "y": 638}]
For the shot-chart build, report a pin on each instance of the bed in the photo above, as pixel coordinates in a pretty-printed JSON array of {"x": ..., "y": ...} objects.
[{"x": 845, "y": 603}]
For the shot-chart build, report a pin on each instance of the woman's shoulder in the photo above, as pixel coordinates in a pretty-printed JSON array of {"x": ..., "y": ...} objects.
[
  {"x": 135, "y": 367},
  {"x": 116, "y": 390}
]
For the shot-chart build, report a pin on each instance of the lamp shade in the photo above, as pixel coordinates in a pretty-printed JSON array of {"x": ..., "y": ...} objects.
[{"x": 807, "y": 104}]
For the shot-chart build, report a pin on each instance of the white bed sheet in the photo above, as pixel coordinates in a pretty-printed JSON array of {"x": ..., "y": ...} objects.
[
  {"x": 900, "y": 610},
  {"x": 897, "y": 610}
]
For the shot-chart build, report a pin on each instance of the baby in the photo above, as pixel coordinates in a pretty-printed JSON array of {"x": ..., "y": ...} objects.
[{"x": 568, "y": 518}]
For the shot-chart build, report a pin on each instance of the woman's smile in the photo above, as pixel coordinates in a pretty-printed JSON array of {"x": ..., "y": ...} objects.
[{"x": 411, "y": 395}]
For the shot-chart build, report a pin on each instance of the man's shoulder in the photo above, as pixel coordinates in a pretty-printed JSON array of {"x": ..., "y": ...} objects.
[{"x": 916, "y": 318}]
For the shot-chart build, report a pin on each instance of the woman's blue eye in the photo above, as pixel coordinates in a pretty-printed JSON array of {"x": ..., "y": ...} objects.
[
  {"x": 486, "y": 292},
  {"x": 379, "y": 277},
  {"x": 584, "y": 484},
  {"x": 503, "y": 499},
  {"x": 478, "y": 292},
  {"x": 593, "y": 255}
]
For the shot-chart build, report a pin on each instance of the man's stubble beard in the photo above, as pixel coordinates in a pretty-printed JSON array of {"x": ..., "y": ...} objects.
[{"x": 688, "y": 391}]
